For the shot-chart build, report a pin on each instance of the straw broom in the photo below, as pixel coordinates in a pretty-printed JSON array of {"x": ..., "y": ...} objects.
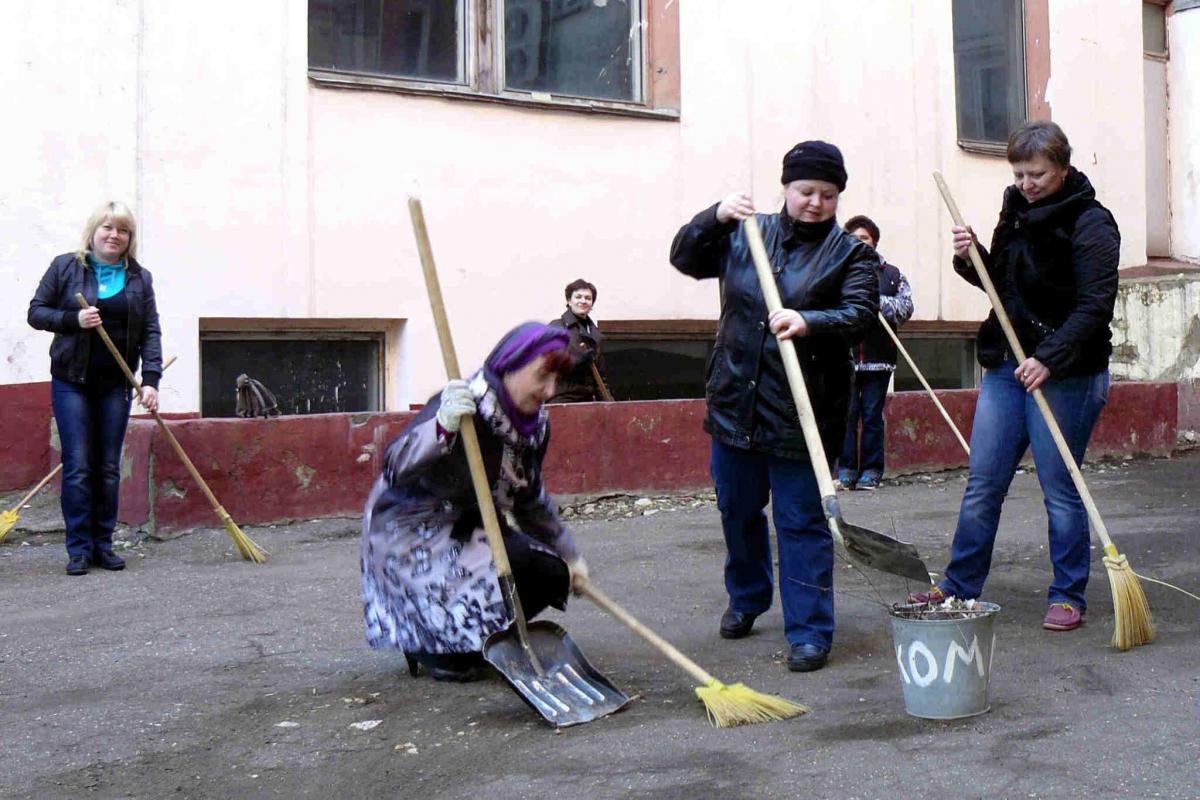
[
  {"x": 245, "y": 545},
  {"x": 728, "y": 705},
  {"x": 1131, "y": 610},
  {"x": 9, "y": 518}
]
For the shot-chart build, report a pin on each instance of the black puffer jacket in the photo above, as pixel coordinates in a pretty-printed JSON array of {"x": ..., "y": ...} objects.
[
  {"x": 54, "y": 308},
  {"x": 826, "y": 274},
  {"x": 1054, "y": 264}
]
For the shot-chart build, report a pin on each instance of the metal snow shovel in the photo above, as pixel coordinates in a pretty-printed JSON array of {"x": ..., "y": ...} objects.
[
  {"x": 539, "y": 660},
  {"x": 867, "y": 547}
]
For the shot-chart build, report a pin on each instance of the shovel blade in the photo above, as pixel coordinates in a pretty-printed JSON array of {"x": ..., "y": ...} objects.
[
  {"x": 570, "y": 691},
  {"x": 884, "y": 553}
]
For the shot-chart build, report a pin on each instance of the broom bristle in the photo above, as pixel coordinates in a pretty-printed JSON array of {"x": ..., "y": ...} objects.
[
  {"x": 1134, "y": 625},
  {"x": 738, "y": 704},
  {"x": 7, "y": 520},
  {"x": 245, "y": 545}
]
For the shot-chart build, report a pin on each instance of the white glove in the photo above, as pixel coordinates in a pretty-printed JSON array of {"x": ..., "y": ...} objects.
[
  {"x": 578, "y": 570},
  {"x": 457, "y": 402}
]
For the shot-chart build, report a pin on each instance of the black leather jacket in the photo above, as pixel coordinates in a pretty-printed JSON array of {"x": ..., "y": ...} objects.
[
  {"x": 1054, "y": 264},
  {"x": 826, "y": 274},
  {"x": 54, "y": 308}
]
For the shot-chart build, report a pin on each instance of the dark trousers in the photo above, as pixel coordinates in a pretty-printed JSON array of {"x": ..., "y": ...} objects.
[
  {"x": 91, "y": 428},
  {"x": 865, "y": 455},
  {"x": 745, "y": 480}
]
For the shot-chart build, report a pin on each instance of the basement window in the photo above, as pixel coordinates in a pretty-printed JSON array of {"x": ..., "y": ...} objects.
[
  {"x": 944, "y": 352},
  {"x": 310, "y": 371},
  {"x": 657, "y": 359}
]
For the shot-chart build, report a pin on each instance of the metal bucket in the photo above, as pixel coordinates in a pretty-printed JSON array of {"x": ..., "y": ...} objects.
[{"x": 944, "y": 663}]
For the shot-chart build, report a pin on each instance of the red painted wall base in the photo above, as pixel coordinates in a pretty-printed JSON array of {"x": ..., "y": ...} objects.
[{"x": 303, "y": 467}]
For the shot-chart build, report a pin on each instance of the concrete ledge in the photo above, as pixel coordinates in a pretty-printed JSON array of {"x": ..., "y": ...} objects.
[{"x": 323, "y": 465}]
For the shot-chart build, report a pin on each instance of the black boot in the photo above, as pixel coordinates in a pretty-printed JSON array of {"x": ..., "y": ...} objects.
[
  {"x": 451, "y": 667},
  {"x": 735, "y": 624}
]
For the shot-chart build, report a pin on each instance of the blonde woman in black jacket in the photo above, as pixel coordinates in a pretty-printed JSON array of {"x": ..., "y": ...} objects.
[{"x": 90, "y": 395}]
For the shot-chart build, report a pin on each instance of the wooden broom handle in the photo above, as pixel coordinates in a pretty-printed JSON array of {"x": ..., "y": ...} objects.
[
  {"x": 795, "y": 375},
  {"x": 1014, "y": 344},
  {"x": 483, "y": 492},
  {"x": 913, "y": 366},
  {"x": 187, "y": 462},
  {"x": 605, "y": 394},
  {"x": 41, "y": 484},
  {"x": 589, "y": 590}
]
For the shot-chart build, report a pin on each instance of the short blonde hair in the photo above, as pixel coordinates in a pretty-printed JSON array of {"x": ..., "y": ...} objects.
[{"x": 120, "y": 213}]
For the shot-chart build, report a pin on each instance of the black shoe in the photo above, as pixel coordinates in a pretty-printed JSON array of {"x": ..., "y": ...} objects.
[
  {"x": 807, "y": 658},
  {"x": 77, "y": 565},
  {"x": 450, "y": 667},
  {"x": 106, "y": 559},
  {"x": 735, "y": 624}
]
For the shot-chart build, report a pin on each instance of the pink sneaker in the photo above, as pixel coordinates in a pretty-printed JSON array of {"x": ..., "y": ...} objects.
[
  {"x": 934, "y": 595},
  {"x": 1062, "y": 617}
]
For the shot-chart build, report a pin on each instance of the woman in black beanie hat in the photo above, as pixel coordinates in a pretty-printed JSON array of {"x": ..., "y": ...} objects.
[{"x": 827, "y": 280}]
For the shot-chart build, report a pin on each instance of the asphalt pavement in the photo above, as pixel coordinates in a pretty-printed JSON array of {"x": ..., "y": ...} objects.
[{"x": 195, "y": 674}]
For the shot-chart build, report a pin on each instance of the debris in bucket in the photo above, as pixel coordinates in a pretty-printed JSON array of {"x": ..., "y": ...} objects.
[{"x": 949, "y": 608}]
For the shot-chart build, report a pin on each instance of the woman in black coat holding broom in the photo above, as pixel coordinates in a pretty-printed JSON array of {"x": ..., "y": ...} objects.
[
  {"x": 89, "y": 392},
  {"x": 429, "y": 584},
  {"x": 1053, "y": 261},
  {"x": 830, "y": 292}
]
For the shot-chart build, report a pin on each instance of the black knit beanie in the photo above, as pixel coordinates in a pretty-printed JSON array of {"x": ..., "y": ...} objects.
[{"x": 815, "y": 160}]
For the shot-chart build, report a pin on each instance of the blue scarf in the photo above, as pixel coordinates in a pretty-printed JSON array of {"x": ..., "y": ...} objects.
[{"x": 110, "y": 278}]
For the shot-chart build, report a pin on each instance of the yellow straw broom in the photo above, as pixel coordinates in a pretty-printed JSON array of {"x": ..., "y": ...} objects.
[
  {"x": 9, "y": 518},
  {"x": 245, "y": 545},
  {"x": 727, "y": 705},
  {"x": 1131, "y": 610}
]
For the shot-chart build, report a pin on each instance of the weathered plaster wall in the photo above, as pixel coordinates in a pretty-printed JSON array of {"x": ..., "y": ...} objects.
[
  {"x": 25, "y": 432},
  {"x": 1156, "y": 329},
  {"x": 262, "y": 195}
]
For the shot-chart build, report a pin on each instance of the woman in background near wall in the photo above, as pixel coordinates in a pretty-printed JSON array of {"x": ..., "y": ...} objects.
[
  {"x": 89, "y": 392},
  {"x": 579, "y": 384}
]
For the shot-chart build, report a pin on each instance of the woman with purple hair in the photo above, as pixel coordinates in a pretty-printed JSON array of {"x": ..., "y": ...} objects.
[{"x": 429, "y": 584}]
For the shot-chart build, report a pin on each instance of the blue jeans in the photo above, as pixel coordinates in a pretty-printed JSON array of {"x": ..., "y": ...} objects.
[
  {"x": 1007, "y": 421},
  {"x": 866, "y": 403},
  {"x": 744, "y": 480},
  {"x": 91, "y": 427}
]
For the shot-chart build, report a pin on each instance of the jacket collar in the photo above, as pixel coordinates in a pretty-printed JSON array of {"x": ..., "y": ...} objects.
[{"x": 1076, "y": 191}]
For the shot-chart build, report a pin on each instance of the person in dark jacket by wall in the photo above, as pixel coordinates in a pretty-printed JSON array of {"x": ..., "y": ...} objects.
[
  {"x": 579, "y": 385},
  {"x": 827, "y": 281},
  {"x": 862, "y": 461},
  {"x": 1053, "y": 260},
  {"x": 89, "y": 392}
]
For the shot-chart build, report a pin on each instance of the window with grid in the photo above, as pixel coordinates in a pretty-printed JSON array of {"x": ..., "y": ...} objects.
[{"x": 596, "y": 54}]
